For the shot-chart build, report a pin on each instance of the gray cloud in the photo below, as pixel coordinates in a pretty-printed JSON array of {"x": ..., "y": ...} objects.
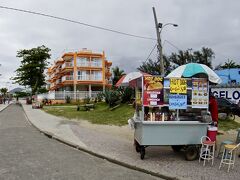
[{"x": 210, "y": 23}]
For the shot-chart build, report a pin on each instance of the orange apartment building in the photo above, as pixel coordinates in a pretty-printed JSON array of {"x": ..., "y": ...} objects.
[{"x": 83, "y": 72}]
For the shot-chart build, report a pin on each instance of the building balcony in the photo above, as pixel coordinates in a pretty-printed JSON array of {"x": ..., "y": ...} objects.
[
  {"x": 67, "y": 65},
  {"x": 108, "y": 74},
  {"x": 59, "y": 81},
  {"x": 67, "y": 78},
  {"x": 58, "y": 71},
  {"x": 108, "y": 63},
  {"x": 88, "y": 78},
  {"x": 90, "y": 64}
]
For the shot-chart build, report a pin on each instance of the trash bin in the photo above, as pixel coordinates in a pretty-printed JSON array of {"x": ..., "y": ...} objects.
[{"x": 212, "y": 132}]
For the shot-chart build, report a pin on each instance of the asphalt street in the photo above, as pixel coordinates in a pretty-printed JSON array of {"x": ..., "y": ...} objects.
[{"x": 25, "y": 153}]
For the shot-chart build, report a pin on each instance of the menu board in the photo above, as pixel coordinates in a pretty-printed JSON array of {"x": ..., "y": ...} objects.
[
  {"x": 153, "y": 91},
  {"x": 199, "y": 93},
  {"x": 177, "y": 101},
  {"x": 178, "y": 86}
]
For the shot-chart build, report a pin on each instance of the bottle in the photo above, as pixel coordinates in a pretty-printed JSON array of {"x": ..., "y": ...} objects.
[
  {"x": 153, "y": 117},
  {"x": 163, "y": 118}
]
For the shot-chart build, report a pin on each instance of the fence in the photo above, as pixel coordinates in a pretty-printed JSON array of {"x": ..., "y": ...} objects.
[{"x": 62, "y": 95}]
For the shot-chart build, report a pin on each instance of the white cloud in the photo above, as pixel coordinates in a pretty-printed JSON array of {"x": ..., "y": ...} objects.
[{"x": 210, "y": 23}]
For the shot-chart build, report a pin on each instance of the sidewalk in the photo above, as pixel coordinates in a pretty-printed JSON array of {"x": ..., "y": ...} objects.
[
  {"x": 3, "y": 106},
  {"x": 116, "y": 144}
]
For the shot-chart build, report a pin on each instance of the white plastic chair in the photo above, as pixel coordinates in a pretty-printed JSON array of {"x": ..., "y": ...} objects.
[{"x": 207, "y": 150}]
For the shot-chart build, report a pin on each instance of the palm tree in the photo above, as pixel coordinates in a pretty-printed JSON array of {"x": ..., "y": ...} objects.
[
  {"x": 205, "y": 56},
  {"x": 230, "y": 64},
  {"x": 4, "y": 91},
  {"x": 117, "y": 74}
]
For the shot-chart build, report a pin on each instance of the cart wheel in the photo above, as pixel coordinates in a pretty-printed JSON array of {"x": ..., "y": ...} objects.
[
  {"x": 137, "y": 146},
  {"x": 142, "y": 152},
  {"x": 191, "y": 153},
  {"x": 177, "y": 148}
]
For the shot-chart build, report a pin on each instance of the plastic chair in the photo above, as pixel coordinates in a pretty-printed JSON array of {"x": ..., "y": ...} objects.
[
  {"x": 229, "y": 155},
  {"x": 207, "y": 150},
  {"x": 229, "y": 142}
]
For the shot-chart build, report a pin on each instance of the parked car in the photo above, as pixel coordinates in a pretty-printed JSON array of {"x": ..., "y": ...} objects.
[{"x": 228, "y": 107}]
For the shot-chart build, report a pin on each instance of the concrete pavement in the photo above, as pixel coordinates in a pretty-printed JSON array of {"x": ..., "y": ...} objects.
[
  {"x": 25, "y": 154},
  {"x": 3, "y": 106},
  {"x": 160, "y": 161}
]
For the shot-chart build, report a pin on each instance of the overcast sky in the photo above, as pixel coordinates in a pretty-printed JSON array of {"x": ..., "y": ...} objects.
[{"x": 210, "y": 23}]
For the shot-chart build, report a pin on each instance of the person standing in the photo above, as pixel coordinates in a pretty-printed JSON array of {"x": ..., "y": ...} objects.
[{"x": 213, "y": 108}]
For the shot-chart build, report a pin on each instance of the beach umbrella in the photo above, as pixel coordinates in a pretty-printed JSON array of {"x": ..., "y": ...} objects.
[
  {"x": 196, "y": 70},
  {"x": 124, "y": 80}
]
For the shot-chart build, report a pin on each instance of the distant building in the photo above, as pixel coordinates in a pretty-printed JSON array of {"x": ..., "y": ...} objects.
[
  {"x": 230, "y": 86},
  {"x": 229, "y": 76},
  {"x": 83, "y": 73}
]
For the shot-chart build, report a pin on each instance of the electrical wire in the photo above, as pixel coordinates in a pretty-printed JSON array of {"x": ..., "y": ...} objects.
[
  {"x": 151, "y": 52},
  {"x": 172, "y": 44},
  {"x": 76, "y": 22}
]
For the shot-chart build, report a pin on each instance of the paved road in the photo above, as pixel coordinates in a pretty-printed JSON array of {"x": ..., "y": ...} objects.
[{"x": 27, "y": 154}]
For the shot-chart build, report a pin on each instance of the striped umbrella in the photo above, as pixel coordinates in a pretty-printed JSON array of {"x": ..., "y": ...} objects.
[
  {"x": 193, "y": 69},
  {"x": 124, "y": 80}
]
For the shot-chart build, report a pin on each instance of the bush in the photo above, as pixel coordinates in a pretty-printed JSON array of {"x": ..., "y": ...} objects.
[
  {"x": 86, "y": 100},
  {"x": 100, "y": 97},
  {"x": 68, "y": 100},
  {"x": 112, "y": 97},
  {"x": 127, "y": 94}
]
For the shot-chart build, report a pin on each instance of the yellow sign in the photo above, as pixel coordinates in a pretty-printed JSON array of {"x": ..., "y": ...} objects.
[
  {"x": 138, "y": 97},
  {"x": 178, "y": 86}
]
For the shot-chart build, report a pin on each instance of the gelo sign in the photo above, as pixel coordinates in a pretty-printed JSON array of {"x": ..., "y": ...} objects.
[{"x": 228, "y": 93}]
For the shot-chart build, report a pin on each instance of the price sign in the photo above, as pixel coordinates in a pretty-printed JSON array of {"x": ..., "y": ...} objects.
[
  {"x": 178, "y": 86},
  {"x": 177, "y": 101}
]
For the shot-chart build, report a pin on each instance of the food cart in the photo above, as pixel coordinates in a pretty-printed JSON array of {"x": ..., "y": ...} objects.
[{"x": 170, "y": 111}]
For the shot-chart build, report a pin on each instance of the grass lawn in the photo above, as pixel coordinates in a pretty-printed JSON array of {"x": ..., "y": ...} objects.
[
  {"x": 100, "y": 115},
  {"x": 226, "y": 124}
]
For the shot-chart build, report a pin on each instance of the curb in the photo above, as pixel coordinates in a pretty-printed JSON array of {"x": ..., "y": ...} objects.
[
  {"x": 5, "y": 107},
  {"x": 53, "y": 136}
]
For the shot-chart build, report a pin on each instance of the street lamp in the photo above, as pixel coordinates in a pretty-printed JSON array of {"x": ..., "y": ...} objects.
[{"x": 160, "y": 26}]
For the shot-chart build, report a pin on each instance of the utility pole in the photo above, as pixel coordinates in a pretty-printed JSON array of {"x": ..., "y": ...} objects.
[{"x": 159, "y": 42}]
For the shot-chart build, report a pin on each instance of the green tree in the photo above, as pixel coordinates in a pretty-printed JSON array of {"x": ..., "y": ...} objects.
[
  {"x": 4, "y": 91},
  {"x": 180, "y": 58},
  {"x": 31, "y": 71},
  {"x": 228, "y": 65},
  {"x": 117, "y": 74},
  {"x": 204, "y": 56},
  {"x": 154, "y": 67}
]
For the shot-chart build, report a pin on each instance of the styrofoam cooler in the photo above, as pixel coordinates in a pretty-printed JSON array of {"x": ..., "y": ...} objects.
[{"x": 212, "y": 132}]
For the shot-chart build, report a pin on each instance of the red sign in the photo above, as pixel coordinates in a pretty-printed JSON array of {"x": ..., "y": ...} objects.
[{"x": 153, "y": 91}]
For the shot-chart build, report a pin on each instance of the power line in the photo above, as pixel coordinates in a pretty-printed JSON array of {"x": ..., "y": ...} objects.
[
  {"x": 151, "y": 52},
  {"x": 76, "y": 22},
  {"x": 172, "y": 44}
]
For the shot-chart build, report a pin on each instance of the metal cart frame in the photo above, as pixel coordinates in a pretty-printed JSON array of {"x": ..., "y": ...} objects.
[{"x": 181, "y": 135}]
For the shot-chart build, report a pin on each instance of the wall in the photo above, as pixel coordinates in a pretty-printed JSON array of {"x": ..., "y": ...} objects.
[{"x": 229, "y": 75}]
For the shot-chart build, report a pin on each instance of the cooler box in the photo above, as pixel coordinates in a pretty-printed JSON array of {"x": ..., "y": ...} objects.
[{"x": 212, "y": 132}]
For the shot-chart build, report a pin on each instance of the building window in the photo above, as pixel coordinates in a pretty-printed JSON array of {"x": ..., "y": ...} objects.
[
  {"x": 82, "y": 61},
  {"x": 96, "y": 75},
  {"x": 83, "y": 75},
  {"x": 96, "y": 62}
]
